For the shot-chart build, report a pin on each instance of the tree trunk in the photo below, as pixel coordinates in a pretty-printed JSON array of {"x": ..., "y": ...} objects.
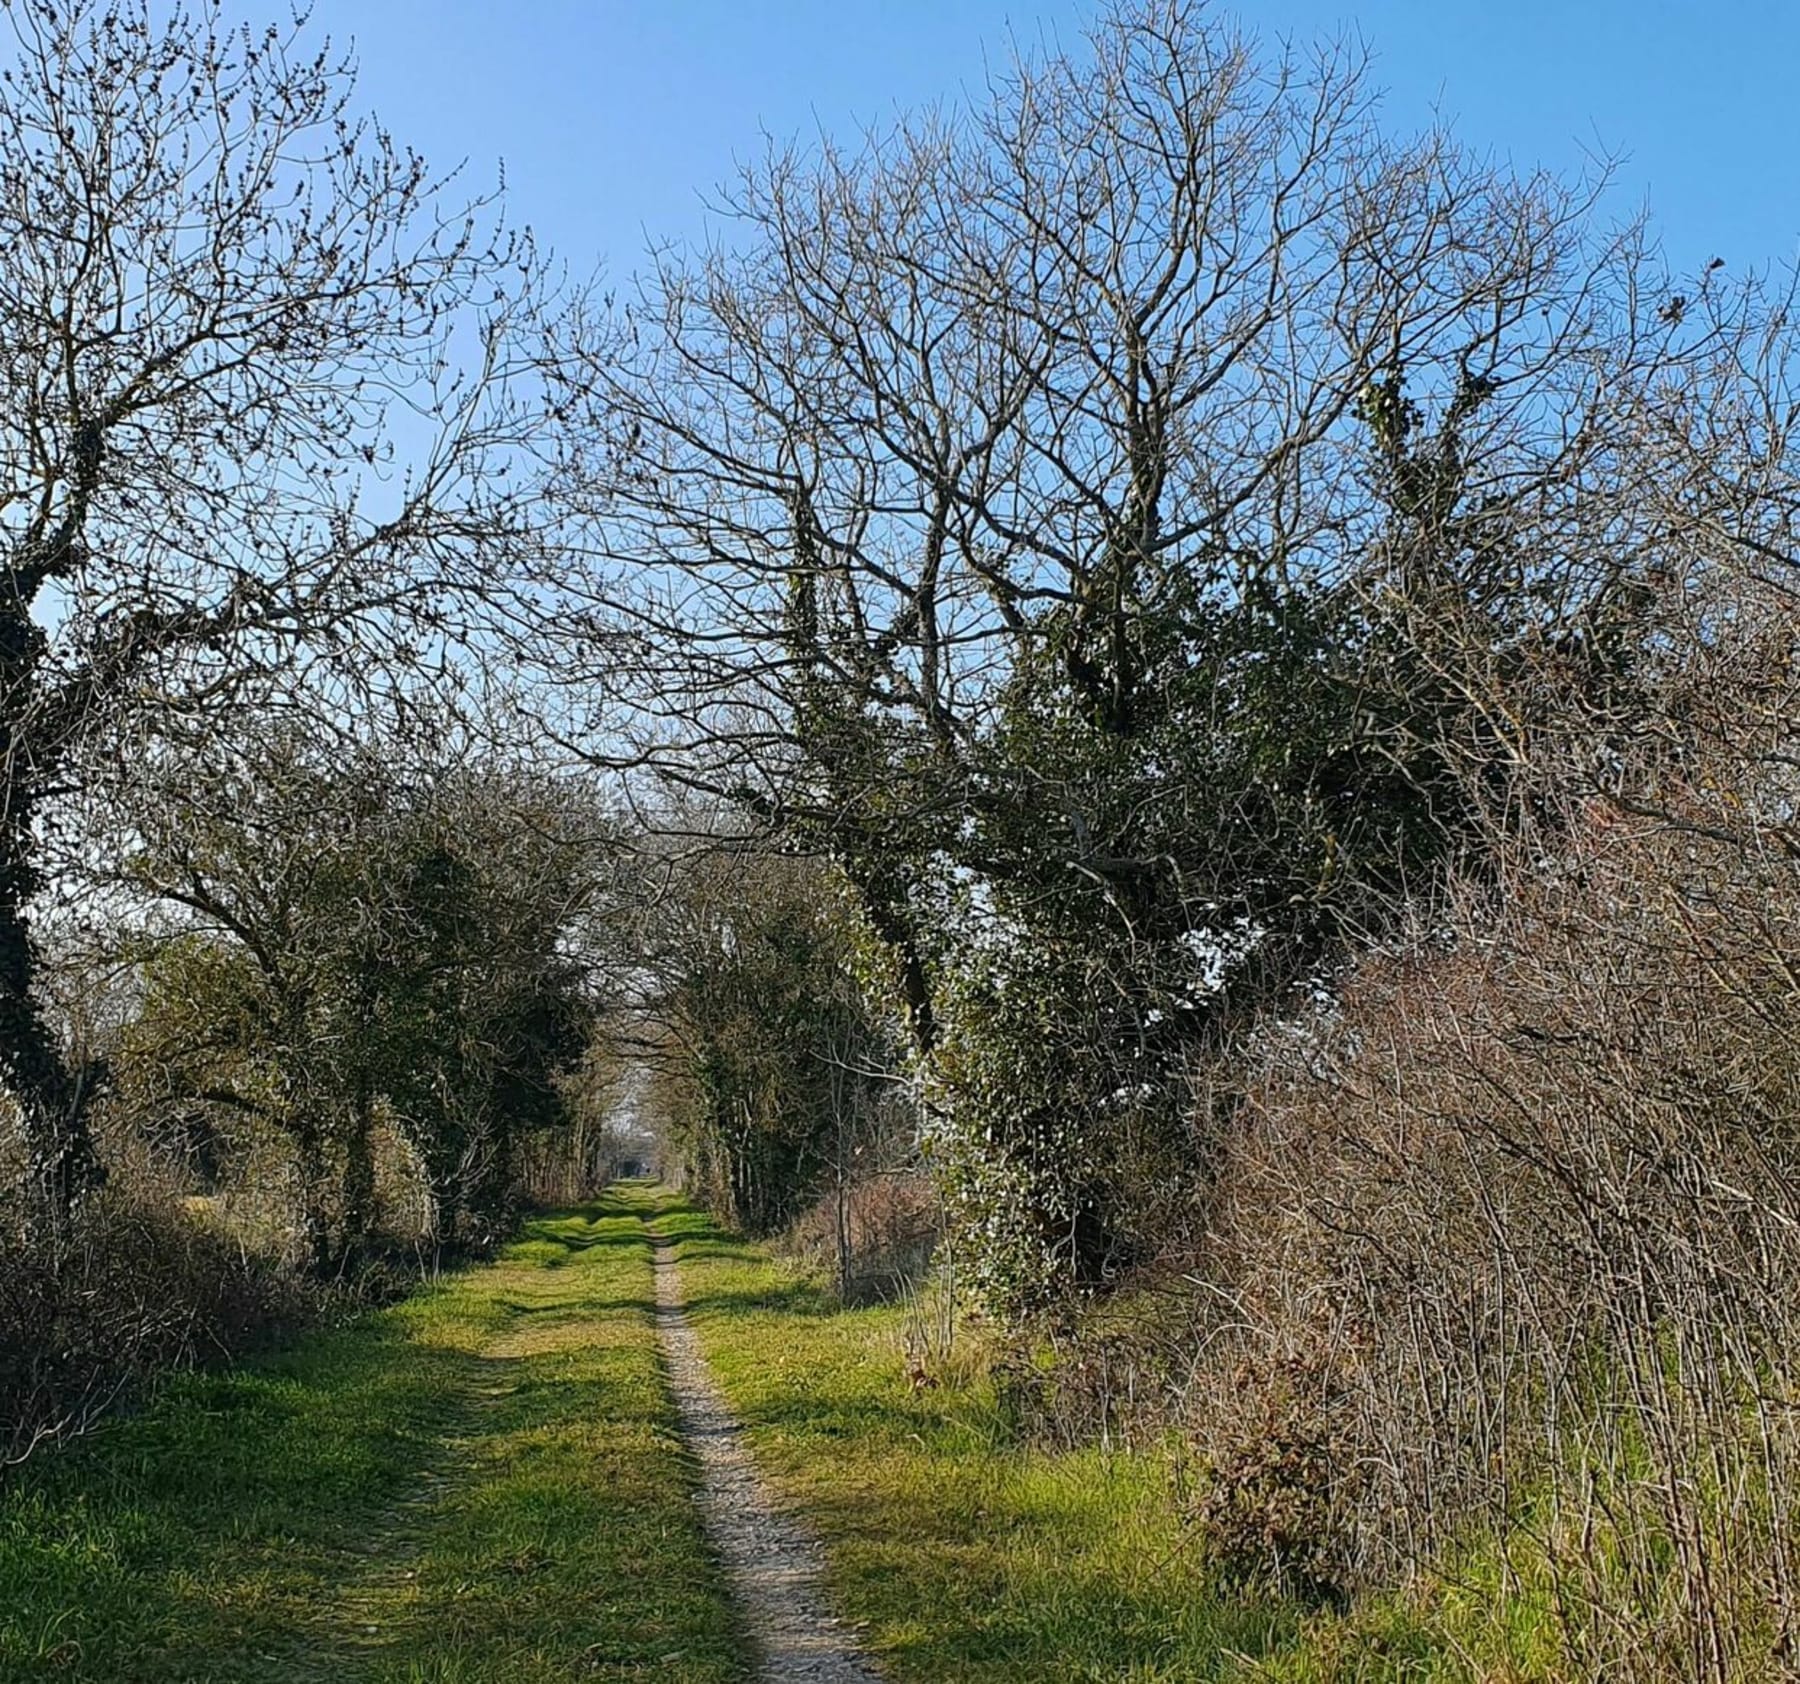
[
  {"x": 884, "y": 905},
  {"x": 359, "y": 1176},
  {"x": 62, "y": 1162},
  {"x": 842, "y": 1136},
  {"x": 315, "y": 1224}
]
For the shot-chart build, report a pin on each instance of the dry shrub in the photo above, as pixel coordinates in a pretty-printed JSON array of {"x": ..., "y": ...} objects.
[
  {"x": 153, "y": 1275},
  {"x": 876, "y": 1235},
  {"x": 1270, "y": 1491},
  {"x": 1509, "y": 1241},
  {"x": 137, "y": 1289},
  {"x": 1101, "y": 1374}
]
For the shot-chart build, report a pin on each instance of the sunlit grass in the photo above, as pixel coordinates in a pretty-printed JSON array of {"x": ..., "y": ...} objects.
[
  {"x": 964, "y": 1555},
  {"x": 485, "y": 1484},
  {"x": 481, "y": 1484}
]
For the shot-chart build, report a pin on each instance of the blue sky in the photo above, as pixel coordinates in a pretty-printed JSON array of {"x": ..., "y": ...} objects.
[{"x": 614, "y": 116}]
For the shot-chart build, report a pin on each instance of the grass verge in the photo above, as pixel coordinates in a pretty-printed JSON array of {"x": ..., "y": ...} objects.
[
  {"x": 964, "y": 1556},
  {"x": 481, "y": 1484},
  {"x": 968, "y": 1557}
]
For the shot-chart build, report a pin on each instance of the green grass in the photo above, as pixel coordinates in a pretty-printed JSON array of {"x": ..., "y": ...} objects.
[
  {"x": 481, "y": 1484},
  {"x": 964, "y": 1556},
  {"x": 485, "y": 1484}
]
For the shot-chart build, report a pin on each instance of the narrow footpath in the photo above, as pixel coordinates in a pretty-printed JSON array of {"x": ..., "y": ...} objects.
[
  {"x": 774, "y": 1566},
  {"x": 521, "y": 1474}
]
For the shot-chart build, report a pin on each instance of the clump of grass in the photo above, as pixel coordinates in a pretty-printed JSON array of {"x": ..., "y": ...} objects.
[{"x": 482, "y": 1483}]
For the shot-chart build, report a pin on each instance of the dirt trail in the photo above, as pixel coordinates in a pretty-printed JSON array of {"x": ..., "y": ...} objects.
[{"x": 776, "y": 1569}]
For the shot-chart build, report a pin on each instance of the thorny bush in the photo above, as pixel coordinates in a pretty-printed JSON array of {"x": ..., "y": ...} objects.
[{"x": 1529, "y": 1195}]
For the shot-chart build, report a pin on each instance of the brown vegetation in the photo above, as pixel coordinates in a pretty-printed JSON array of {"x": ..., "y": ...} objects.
[{"x": 1508, "y": 1231}]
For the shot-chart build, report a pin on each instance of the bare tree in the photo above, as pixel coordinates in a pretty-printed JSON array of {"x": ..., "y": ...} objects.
[
  {"x": 237, "y": 436},
  {"x": 1149, "y": 328},
  {"x": 1101, "y": 515}
]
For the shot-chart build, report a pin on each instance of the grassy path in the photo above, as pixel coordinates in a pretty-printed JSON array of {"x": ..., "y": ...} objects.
[
  {"x": 482, "y": 1484},
  {"x": 775, "y": 1566},
  {"x": 488, "y": 1484},
  {"x": 960, "y": 1554}
]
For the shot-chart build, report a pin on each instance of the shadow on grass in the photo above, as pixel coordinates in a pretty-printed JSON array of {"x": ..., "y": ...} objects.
[
  {"x": 552, "y": 1233},
  {"x": 788, "y": 1298},
  {"x": 204, "y": 1527},
  {"x": 581, "y": 1309},
  {"x": 967, "y": 1554}
]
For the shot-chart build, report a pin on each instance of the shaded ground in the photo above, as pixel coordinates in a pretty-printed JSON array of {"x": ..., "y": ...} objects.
[{"x": 962, "y": 1553}]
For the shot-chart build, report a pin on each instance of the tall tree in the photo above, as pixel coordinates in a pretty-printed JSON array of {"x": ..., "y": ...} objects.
[
  {"x": 1095, "y": 516},
  {"x": 1065, "y": 375},
  {"x": 331, "y": 932},
  {"x": 235, "y": 311}
]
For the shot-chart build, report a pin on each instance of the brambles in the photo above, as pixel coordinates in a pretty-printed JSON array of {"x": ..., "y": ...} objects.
[
  {"x": 1536, "y": 1171},
  {"x": 1271, "y": 1496},
  {"x": 151, "y": 1287}
]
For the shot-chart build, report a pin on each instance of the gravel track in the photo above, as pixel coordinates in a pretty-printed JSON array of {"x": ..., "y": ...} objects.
[{"x": 775, "y": 1567}]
